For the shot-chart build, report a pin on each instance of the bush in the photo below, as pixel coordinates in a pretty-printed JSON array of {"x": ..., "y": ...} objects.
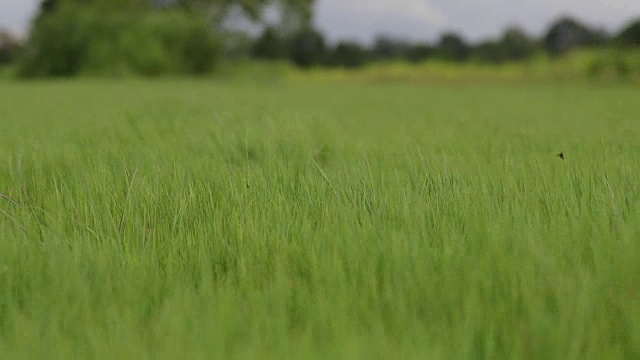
[
  {"x": 83, "y": 40},
  {"x": 596, "y": 68},
  {"x": 614, "y": 65}
]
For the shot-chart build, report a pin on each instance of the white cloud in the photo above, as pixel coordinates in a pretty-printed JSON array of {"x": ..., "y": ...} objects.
[
  {"x": 421, "y": 11},
  {"x": 364, "y": 19},
  {"x": 16, "y": 14}
]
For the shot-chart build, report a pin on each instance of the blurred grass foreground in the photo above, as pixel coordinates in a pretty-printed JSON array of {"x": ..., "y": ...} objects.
[
  {"x": 398, "y": 201},
  {"x": 199, "y": 219}
]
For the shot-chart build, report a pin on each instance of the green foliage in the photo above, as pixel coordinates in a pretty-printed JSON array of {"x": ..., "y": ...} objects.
[
  {"x": 386, "y": 48},
  {"x": 514, "y": 45},
  {"x": 568, "y": 33},
  {"x": 198, "y": 220},
  {"x": 419, "y": 52},
  {"x": 629, "y": 36},
  {"x": 517, "y": 45},
  {"x": 10, "y": 48},
  {"x": 452, "y": 47},
  {"x": 348, "y": 55},
  {"x": 613, "y": 64},
  {"x": 189, "y": 40},
  {"x": 85, "y": 40},
  {"x": 307, "y": 48},
  {"x": 390, "y": 49},
  {"x": 270, "y": 45},
  {"x": 489, "y": 52}
]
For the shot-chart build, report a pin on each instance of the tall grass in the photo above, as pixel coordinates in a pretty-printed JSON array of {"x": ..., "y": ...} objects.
[{"x": 197, "y": 220}]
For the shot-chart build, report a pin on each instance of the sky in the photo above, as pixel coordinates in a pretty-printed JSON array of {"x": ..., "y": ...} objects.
[{"x": 363, "y": 20}]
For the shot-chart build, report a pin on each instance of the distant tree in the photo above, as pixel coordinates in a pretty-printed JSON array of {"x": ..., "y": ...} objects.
[
  {"x": 270, "y": 45},
  {"x": 48, "y": 6},
  {"x": 491, "y": 52},
  {"x": 387, "y": 48},
  {"x": 452, "y": 47},
  {"x": 419, "y": 52},
  {"x": 630, "y": 34},
  {"x": 307, "y": 48},
  {"x": 9, "y": 46},
  {"x": 567, "y": 34},
  {"x": 515, "y": 44},
  {"x": 348, "y": 54}
]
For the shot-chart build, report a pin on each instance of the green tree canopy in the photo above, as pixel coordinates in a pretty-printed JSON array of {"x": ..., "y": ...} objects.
[
  {"x": 568, "y": 33},
  {"x": 270, "y": 45},
  {"x": 630, "y": 34},
  {"x": 348, "y": 54},
  {"x": 307, "y": 48},
  {"x": 291, "y": 11},
  {"x": 452, "y": 47},
  {"x": 515, "y": 44}
]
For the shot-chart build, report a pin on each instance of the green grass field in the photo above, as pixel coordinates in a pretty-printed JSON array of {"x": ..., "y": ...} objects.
[{"x": 197, "y": 219}]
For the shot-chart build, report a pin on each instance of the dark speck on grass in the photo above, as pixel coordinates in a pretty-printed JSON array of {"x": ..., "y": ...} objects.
[{"x": 561, "y": 156}]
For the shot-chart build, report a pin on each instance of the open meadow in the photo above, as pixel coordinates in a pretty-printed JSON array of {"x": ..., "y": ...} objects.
[{"x": 204, "y": 219}]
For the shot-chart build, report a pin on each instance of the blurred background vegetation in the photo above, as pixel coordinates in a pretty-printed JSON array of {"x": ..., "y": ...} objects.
[{"x": 196, "y": 37}]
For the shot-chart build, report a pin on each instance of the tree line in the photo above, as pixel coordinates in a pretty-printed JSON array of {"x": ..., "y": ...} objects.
[
  {"x": 308, "y": 47},
  {"x": 153, "y": 37}
]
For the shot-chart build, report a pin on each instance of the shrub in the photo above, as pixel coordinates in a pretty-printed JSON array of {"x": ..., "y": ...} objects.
[{"x": 614, "y": 65}]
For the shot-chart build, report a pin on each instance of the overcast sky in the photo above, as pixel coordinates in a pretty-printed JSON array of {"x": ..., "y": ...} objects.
[{"x": 421, "y": 19}]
